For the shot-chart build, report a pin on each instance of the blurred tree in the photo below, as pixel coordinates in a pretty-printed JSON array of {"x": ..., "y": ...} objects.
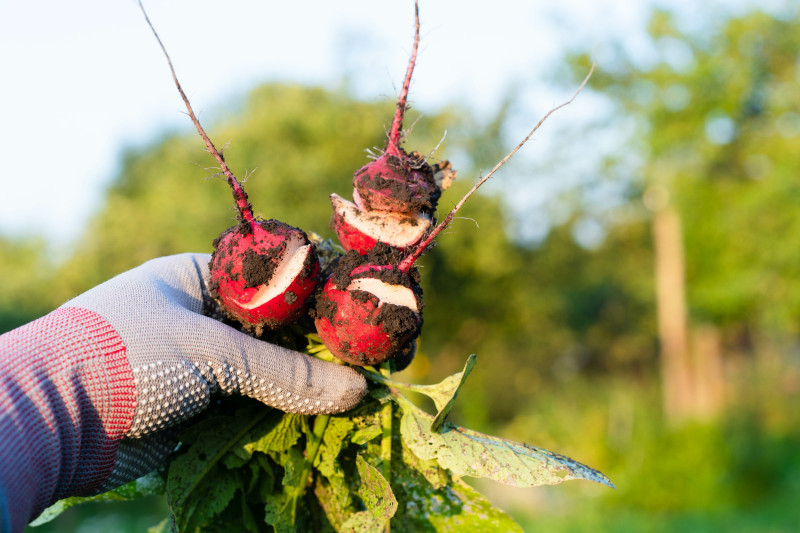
[
  {"x": 27, "y": 276},
  {"x": 718, "y": 131},
  {"x": 535, "y": 315}
]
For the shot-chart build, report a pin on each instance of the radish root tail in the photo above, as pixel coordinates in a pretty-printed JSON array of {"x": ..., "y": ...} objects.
[
  {"x": 244, "y": 207},
  {"x": 408, "y": 262}
]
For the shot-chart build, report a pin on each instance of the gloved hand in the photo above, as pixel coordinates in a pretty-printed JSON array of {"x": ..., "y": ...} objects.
[
  {"x": 134, "y": 356},
  {"x": 179, "y": 357}
]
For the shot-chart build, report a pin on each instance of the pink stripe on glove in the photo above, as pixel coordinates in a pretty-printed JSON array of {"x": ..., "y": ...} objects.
[{"x": 67, "y": 397}]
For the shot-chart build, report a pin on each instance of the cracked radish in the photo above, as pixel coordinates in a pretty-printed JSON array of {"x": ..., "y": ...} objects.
[
  {"x": 369, "y": 310},
  {"x": 395, "y": 195},
  {"x": 263, "y": 272},
  {"x": 360, "y": 230}
]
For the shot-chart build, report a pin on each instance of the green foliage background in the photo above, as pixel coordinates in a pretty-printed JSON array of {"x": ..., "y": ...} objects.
[{"x": 566, "y": 335}]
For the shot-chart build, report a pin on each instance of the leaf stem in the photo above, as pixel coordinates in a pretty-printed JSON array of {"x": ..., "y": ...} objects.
[
  {"x": 386, "y": 438},
  {"x": 373, "y": 375},
  {"x": 222, "y": 451},
  {"x": 320, "y": 424}
]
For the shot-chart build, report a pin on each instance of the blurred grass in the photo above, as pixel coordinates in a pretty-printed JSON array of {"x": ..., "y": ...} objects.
[
  {"x": 738, "y": 471},
  {"x": 776, "y": 516},
  {"x": 108, "y": 517}
]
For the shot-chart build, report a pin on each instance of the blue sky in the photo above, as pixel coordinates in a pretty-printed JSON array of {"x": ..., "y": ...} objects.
[{"x": 85, "y": 79}]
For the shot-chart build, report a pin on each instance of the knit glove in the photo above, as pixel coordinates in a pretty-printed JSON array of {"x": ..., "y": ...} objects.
[
  {"x": 179, "y": 357},
  {"x": 100, "y": 378}
]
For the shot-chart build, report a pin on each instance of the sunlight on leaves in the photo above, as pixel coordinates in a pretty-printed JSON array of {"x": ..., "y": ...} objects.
[
  {"x": 147, "y": 485},
  {"x": 469, "y": 453}
]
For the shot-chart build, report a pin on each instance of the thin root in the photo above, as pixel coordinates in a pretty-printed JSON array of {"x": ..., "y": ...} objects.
[
  {"x": 406, "y": 264},
  {"x": 238, "y": 192},
  {"x": 430, "y": 154}
]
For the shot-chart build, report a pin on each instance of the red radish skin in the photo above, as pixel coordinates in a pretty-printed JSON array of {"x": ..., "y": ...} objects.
[
  {"x": 350, "y": 237},
  {"x": 397, "y": 182},
  {"x": 263, "y": 273},
  {"x": 368, "y": 311},
  {"x": 361, "y": 230}
]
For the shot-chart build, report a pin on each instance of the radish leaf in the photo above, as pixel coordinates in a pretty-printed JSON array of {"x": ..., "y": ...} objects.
[
  {"x": 362, "y": 522},
  {"x": 443, "y": 393},
  {"x": 332, "y": 442},
  {"x": 431, "y": 499},
  {"x": 364, "y": 435},
  {"x": 147, "y": 485},
  {"x": 469, "y": 453},
  {"x": 375, "y": 491},
  {"x": 278, "y": 433},
  {"x": 197, "y": 471},
  {"x": 454, "y": 382}
]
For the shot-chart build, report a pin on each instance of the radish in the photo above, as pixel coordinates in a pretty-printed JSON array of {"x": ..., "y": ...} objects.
[
  {"x": 369, "y": 310},
  {"x": 262, "y": 271},
  {"x": 394, "y": 196},
  {"x": 397, "y": 181}
]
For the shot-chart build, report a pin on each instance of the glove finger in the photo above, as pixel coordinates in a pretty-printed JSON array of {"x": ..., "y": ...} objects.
[{"x": 279, "y": 377}]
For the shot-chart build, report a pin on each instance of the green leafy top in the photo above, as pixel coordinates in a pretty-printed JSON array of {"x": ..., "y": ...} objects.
[{"x": 248, "y": 467}]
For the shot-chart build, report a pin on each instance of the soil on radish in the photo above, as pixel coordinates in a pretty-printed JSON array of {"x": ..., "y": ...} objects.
[
  {"x": 400, "y": 323},
  {"x": 255, "y": 265},
  {"x": 405, "y": 183},
  {"x": 381, "y": 254},
  {"x": 289, "y": 297},
  {"x": 405, "y": 356}
]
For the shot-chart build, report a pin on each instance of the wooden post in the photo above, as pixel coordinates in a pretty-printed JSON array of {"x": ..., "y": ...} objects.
[
  {"x": 676, "y": 373},
  {"x": 709, "y": 371}
]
